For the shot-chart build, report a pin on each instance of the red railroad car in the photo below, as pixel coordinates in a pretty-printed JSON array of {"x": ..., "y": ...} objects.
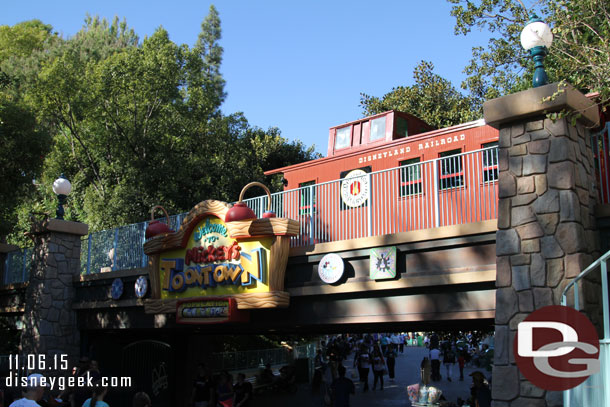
[{"x": 390, "y": 173}]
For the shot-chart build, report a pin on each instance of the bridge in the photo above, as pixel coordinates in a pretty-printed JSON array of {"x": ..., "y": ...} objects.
[
  {"x": 480, "y": 239},
  {"x": 444, "y": 237}
]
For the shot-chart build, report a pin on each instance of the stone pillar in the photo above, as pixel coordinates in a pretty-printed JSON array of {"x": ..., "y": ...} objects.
[
  {"x": 50, "y": 323},
  {"x": 546, "y": 218}
]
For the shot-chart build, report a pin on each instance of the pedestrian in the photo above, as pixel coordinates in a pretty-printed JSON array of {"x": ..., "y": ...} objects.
[
  {"x": 362, "y": 360},
  {"x": 341, "y": 388},
  {"x": 97, "y": 396},
  {"x": 449, "y": 360},
  {"x": 243, "y": 391},
  {"x": 32, "y": 393},
  {"x": 461, "y": 362},
  {"x": 391, "y": 361},
  {"x": 401, "y": 343},
  {"x": 82, "y": 393},
  {"x": 435, "y": 364},
  {"x": 378, "y": 367},
  {"x": 425, "y": 371},
  {"x": 203, "y": 387},
  {"x": 384, "y": 342},
  {"x": 141, "y": 399},
  {"x": 224, "y": 390},
  {"x": 481, "y": 394}
]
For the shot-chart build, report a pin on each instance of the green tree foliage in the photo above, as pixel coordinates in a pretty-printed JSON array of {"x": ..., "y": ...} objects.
[
  {"x": 432, "y": 99},
  {"x": 24, "y": 139},
  {"x": 579, "y": 54},
  {"x": 139, "y": 123},
  {"x": 23, "y": 145}
]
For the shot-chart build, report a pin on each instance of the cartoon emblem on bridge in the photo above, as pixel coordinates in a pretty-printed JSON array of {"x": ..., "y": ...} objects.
[
  {"x": 383, "y": 263},
  {"x": 210, "y": 257}
]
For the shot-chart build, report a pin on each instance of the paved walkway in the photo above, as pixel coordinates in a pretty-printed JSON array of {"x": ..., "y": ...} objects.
[{"x": 394, "y": 393}]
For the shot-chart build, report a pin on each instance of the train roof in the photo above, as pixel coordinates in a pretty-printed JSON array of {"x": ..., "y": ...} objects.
[{"x": 416, "y": 137}]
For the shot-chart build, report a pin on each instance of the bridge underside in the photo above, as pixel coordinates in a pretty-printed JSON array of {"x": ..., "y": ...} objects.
[{"x": 445, "y": 277}]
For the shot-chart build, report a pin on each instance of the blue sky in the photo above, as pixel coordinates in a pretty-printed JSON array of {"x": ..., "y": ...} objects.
[{"x": 296, "y": 65}]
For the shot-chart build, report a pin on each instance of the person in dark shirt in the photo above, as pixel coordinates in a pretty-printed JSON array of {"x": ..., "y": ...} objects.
[
  {"x": 480, "y": 391},
  {"x": 202, "y": 387},
  {"x": 267, "y": 375},
  {"x": 81, "y": 394},
  {"x": 243, "y": 391},
  {"x": 342, "y": 387}
]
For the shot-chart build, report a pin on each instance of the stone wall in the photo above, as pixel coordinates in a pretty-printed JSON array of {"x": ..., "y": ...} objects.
[
  {"x": 50, "y": 322},
  {"x": 546, "y": 235}
]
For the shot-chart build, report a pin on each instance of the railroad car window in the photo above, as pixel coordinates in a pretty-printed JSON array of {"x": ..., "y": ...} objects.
[
  {"x": 343, "y": 138},
  {"x": 490, "y": 162},
  {"x": 451, "y": 174},
  {"x": 377, "y": 129},
  {"x": 307, "y": 197},
  {"x": 401, "y": 127},
  {"x": 410, "y": 177}
]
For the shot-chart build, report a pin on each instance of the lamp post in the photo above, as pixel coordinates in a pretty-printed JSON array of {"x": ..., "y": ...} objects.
[
  {"x": 62, "y": 188},
  {"x": 537, "y": 38}
]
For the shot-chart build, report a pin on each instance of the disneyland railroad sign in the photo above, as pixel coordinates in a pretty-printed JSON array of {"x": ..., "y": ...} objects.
[{"x": 210, "y": 257}]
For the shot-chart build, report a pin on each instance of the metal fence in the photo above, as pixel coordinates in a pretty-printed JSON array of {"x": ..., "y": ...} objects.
[
  {"x": 595, "y": 391},
  {"x": 17, "y": 266},
  {"x": 446, "y": 191},
  {"x": 118, "y": 249},
  {"x": 252, "y": 359},
  {"x": 601, "y": 154}
]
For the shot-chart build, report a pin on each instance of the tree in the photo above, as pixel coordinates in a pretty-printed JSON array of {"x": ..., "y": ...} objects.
[
  {"x": 139, "y": 123},
  {"x": 432, "y": 99},
  {"x": 24, "y": 139},
  {"x": 24, "y": 144},
  {"x": 579, "y": 54}
]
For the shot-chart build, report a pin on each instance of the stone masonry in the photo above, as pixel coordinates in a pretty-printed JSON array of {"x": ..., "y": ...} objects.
[
  {"x": 50, "y": 323},
  {"x": 546, "y": 227}
]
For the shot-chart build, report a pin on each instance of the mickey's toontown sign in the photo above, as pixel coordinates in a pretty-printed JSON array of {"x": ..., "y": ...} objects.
[{"x": 220, "y": 251}]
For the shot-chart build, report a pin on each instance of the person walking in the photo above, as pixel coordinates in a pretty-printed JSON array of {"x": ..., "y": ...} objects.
[
  {"x": 384, "y": 342},
  {"x": 461, "y": 362},
  {"x": 449, "y": 360},
  {"x": 401, "y": 343},
  {"x": 378, "y": 367},
  {"x": 341, "y": 388},
  {"x": 362, "y": 360},
  {"x": 391, "y": 361},
  {"x": 435, "y": 364}
]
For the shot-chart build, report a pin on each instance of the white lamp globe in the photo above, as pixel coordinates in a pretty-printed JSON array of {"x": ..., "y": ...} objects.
[
  {"x": 62, "y": 186},
  {"x": 536, "y": 34}
]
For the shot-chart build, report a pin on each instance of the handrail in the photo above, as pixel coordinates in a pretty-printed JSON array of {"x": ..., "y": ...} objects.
[
  {"x": 586, "y": 271},
  {"x": 595, "y": 390}
]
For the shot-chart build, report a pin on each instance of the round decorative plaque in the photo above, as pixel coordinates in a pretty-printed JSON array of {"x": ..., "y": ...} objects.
[
  {"x": 141, "y": 286},
  {"x": 331, "y": 268},
  {"x": 117, "y": 289}
]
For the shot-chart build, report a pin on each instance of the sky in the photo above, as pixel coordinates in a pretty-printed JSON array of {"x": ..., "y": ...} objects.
[{"x": 296, "y": 65}]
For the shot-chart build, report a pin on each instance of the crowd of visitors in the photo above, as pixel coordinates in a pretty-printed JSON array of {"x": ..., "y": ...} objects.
[
  {"x": 369, "y": 354},
  {"x": 377, "y": 353}
]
